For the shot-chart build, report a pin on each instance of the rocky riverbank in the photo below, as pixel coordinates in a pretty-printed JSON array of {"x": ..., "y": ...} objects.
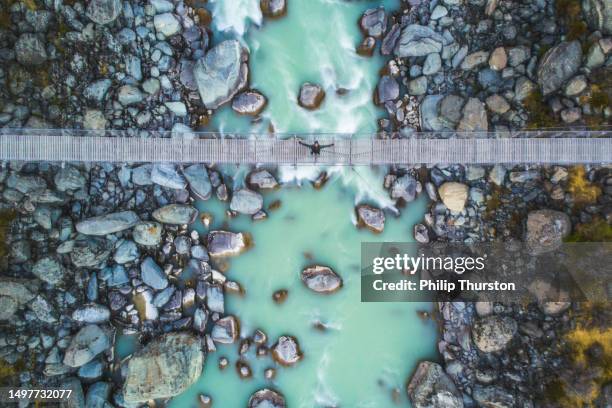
[{"x": 500, "y": 66}]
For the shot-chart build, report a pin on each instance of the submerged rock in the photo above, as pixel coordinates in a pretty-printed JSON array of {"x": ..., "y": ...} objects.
[
  {"x": 321, "y": 279},
  {"x": 558, "y": 65},
  {"x": 493, "y": 333},
  {"x": 226, "y": 330},
  {"x": 176, "y": 214},
  {"x": 311, "y": 96},
  {"x": 546, "y": 230},
  {"x": 225, "y": 243},
  {"x": 370, "y": 217},
  {"x": 246, "y": 201},
  {"x": 164, "y": 368},
  {"x": 273, "y": 8},
  {"x": 108, "y": 224},
  {"x": 249, "y": 103},
  {"x": 267, "y": 398},
  {"x": 90, "y": 341},
  {"x": 286, "y": 351},
  {"x": 431, "y": 387},
  {"x": 222, "y": 73}
]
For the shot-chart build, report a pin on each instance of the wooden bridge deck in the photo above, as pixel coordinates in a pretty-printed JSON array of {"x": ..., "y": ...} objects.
[{"x": 523, "y": 147}]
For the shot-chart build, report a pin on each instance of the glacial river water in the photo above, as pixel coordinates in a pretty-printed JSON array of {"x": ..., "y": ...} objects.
[{"x": 367, "y": 350}]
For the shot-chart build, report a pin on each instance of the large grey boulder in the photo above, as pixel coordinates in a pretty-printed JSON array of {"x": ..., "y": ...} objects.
[
  {"x": 286, "y": 351},
  {"x": 199, "y": 182},
  {"x": 311, "y": 96},
  {"x": 164, "y": 368},
  {"x": 474, "y": 117},
  {"x": 103, "y": 11},
  {"x": 69, "y": 178},
  {"x": 108, "y": 224},
  {"x": 152, "y": 274},
  {"x": 147, "y": 233},
  {"x": 273, "y": 8},
  {"x": 91, "y": 313},
  {"x": 430, "y": 387},
  {"x": 493, "y": 396},
  {"x": 246, "y": 201},
  {"x": 405, "y": 188},
  {"x": 546, "y": 230},
  {"x": 222, "y": 73},
  {"x": 418, "y": 41},
  {"x": 429, "y": 114},
  {"x": 493, "y": 333},
  {"x": 30, "y": 50},
  {"x": 267, "y": 398},
  {"x": 166, "y": 175},
  {"x": 559, "y": 64},
  {"x": 50, "y": 270},
  {"x": 321, "y": 279},
  {"x": 225, "y": 243},
  {"x": 373, "y": 23},
  {"x": 90, "y": 252},
  {"x": 249, "y": 103},
  {"x": 90, "y": 341},
  {"x": 598, "y": 13},
  {"x": 167, "y": 24},
  {"x": 370, "y": 217},
  {"x": 261, "y": 180},
  {"x": 226, "y": 330},
  {"x": 387, "y": 90},
  {"x": 176, "y": 214}
]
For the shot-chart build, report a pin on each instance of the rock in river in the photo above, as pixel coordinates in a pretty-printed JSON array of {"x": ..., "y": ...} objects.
[
  {"x": 225, "y": 243},
  {"x": 267, "y": 398},
  {"x": 222, "y": 73},
  {"x": 558, "y": 65},
  {"x": 90, "y": 341},
  {"x": 108, "y": 224},
  {"x": 164, "y": 368},
  {"x": 176, "y": 214},
  {"x": 311, "y": 96},
  {"x": 226, "y": 330},
  {"x": 246, "y": 201},
  {"x": 370, "y": 217},
  {"x": 286, "y": 351},
  {"x": 249, "y": 103},
  {"x": 103, "y": 11},
  {"x": 493, "y": 333},
  {"x": 261, "y": 180},
  {"x": 321, "y": 279},
  {"x": 373, "y": 23},
  {"x": 546, "y": 230},
  {"x": 430, "y": 387},
  {"x": 273, "y": 8}
]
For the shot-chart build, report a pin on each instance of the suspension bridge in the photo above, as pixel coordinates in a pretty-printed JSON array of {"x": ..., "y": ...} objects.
[{"x": 523, "y": 147}]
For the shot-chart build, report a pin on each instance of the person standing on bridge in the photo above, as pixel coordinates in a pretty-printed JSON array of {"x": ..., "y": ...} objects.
[{"x": 315, "y": 148}]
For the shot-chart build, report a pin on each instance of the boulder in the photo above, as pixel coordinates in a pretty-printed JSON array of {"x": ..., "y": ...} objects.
[
  {"x": 387, "y": 90},
  {"x": 167, "y": 24},
  {"x": 246, "y": 201},
  {"x": 226, "y": 330},
  {"x": 50, "y": 270},
  {"x": 90, "y": 252},
  {"x": 546, "y": 230},
  {"x": 321, "y": 279},
  {"x": 8, "y": 307},
  {"x": 152, "y": 274},
  {"x": 598, "y": 14},
  {"x": 103, "y": 11},
  {"x": 474, "y": 60},
  {"x": 90, "y": 341},
  {"x": 493, "y": 396},
  {"x": 166, "y": 175},
  {"x": 559, "y": 64},
  {"x": 147, "y": 233},
  {"x": 69, "y": 178},
  {"x": 493, "y": 333},
  {"x": 129, "y": 95},
  {"x": 177, "y": 214},
  {"x": 267, "y": 398},
  {"x": 261, "y": 180},
  {"x": 199, "y": 182},
  {"x": 451, "y": 108},
  {"x": 429, "y": 114},
  {"x": 405, "y": 188},
  {"x": 373, "y": 22},
  {"x": 311, "y": 96},
  {"x": 273, "y": 8},
  {"x": 20, "y": 290},
  {"x": 474, "y": 117},
  {"x": 431, "y": 387},
  {"x": 225, "y": 243},
  {"x": 370, "y": 217},
  {"x": 94, "y": 119},
  {"x": 222, "y": 73},
  {"x": 108, "y": 224},
  {"x": 453, "y": 195},
  {"x": 250, "y": 103},
  {"x": 366, "y": 47},
  {"x": 165, "y": 367},
  {"x": 286, "y": 351},
  {"x": 418, "y": 41},
  {"x": 30, "y": 50},
  {"x": 91, "y": 313}
]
